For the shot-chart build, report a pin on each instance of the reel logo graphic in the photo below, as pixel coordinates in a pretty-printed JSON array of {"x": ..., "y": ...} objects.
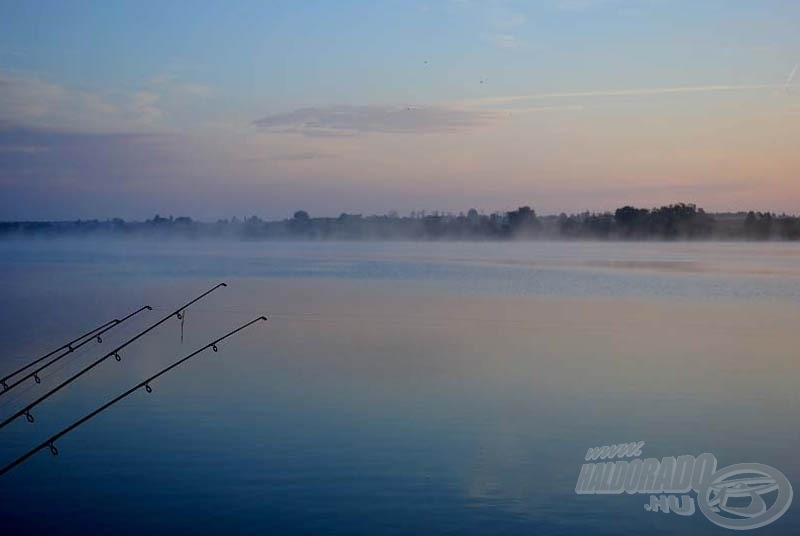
[{"x": 738, "y": 497}]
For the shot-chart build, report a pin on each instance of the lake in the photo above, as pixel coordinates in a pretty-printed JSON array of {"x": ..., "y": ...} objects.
[{"x": 397, "y": 388}]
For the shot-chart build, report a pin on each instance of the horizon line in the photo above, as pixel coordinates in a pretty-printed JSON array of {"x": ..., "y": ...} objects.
[{"x": 401, "y": 215}]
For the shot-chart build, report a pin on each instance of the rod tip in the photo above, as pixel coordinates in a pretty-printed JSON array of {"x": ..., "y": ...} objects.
[
  {"x": 262, "y": 318},
  {"x": 148, "y": 307},
  {"x": 222, "y": 285}
]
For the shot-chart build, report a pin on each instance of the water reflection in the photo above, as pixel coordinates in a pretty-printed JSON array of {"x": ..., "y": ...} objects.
[{"x": 391, "y": 404}]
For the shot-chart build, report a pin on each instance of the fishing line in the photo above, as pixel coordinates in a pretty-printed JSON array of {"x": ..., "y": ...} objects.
[{"x": 182, "y": 316}]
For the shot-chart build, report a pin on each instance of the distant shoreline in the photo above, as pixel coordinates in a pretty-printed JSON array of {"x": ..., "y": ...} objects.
[{"x": 678, "y": 222}]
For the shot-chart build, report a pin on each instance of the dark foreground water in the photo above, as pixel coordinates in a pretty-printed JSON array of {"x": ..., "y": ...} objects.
[{"x": 396, "y": 388}]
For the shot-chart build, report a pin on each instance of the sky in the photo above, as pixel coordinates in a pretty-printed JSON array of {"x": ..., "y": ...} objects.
[{"x": 222, "y": 109}]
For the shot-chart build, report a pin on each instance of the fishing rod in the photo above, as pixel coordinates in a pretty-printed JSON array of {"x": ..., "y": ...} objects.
[
  {"x": 50, "y": 443},
  {"x": 96, "y": 336},
  {"x": 115, "y": 353},
  {"x": 68, "y": 346}
]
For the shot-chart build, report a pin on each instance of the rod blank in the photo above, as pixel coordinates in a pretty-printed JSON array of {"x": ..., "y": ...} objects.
[
  {"x": 68, "y": 345},
  {"x": 96, "y": 335},
  {"x": 50, "y": 442},
  {"x": 26, "y": 411}
]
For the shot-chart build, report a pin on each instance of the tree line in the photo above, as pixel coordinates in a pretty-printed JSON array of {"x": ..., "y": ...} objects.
[{"x": 681, "y": 221}]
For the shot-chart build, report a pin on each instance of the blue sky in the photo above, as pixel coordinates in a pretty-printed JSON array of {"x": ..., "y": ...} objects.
[{"x": 220, "y": 109}]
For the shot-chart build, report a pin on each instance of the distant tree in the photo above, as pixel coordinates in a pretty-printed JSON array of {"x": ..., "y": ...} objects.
[
  {"x": 433, "y": 226},
  {"x": 631, "y": 221},
  {"x": 682, "y": 221},
  {"x": 522, "y": 222},
  {"x": 301, "y": 223},
  {"x": 750, "y": 223},
  {"x": 789, "y": 227},
  {"x": 758, "y": 225}
]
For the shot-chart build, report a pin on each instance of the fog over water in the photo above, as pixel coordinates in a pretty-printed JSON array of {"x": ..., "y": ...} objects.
[{"x": 397, "y": 388}]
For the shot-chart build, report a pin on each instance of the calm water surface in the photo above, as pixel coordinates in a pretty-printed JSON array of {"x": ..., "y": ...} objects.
[{"x": 398, "y": 388}]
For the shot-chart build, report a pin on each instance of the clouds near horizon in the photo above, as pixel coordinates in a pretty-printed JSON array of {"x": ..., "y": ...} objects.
[
  {"x": 565, "y": 105},
  {"x": 335, "y": 120}
]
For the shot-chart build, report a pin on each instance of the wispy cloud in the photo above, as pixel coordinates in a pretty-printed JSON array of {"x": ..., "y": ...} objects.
[
  {"x": 22, "y": 149},
  {"x": 538, "y": 109},
  {"x": 503, "y": 40},
  {"x": 500, "y": 15},
  {"x": 498, "y": 18},
  {"x": 197, "y": 90},
  {"x": 28, "y": 100},
  {"x": 146, "y": 107},
  {"x": 171, "y": 82},
  {"x": 579, "y": 5},
  {"x": 26, "y": 97},
  {"x": 632, "y": 92},
  {"x": 370, "y": 119},
  {"x": 300, "y": 156},
  {"x": 790, "y": 78}
]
